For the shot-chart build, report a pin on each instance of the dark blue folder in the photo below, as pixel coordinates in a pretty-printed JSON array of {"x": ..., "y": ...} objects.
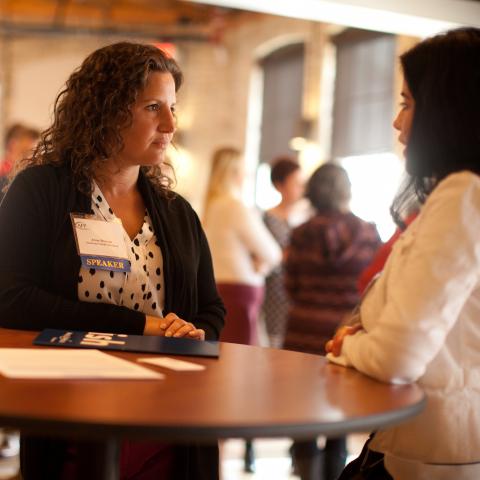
[{"x": 127, "y": 343}]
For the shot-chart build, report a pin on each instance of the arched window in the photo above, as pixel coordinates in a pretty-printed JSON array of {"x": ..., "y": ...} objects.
[{"x": 282, "y": 100}]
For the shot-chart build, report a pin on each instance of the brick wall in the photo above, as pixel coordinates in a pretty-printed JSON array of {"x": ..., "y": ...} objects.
[{"x": 212, "y": 104}]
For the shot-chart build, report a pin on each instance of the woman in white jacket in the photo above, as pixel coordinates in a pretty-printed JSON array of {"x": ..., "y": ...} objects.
[
  {"x": 243, "y": 250},
  {"x": 420, "y": 321}
]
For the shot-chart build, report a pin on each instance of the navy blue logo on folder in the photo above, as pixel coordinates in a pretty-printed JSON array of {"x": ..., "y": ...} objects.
[{"x": 127, "y": 343}]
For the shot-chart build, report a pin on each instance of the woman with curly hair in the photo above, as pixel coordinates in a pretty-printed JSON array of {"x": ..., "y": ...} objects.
[{"x": 104, "y": 158}]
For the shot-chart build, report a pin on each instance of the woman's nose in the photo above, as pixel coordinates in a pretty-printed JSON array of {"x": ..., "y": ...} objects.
[
  {"x": 397, "y": 122},
  {"x": 167, "y": 122}
]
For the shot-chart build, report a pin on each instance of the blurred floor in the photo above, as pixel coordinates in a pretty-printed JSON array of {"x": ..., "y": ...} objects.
[
  {"x": 272, "y": 458},
  {"x": 9, "y": 468}
]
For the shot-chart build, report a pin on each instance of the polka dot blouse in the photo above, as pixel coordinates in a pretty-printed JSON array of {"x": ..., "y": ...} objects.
[{"x": 142, "y": 288}]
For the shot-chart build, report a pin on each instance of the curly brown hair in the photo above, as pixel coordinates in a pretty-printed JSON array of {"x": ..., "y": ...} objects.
[{"x": 95, "y": 106}]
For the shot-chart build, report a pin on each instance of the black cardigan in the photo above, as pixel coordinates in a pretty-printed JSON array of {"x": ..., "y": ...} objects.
[
  {"x": 39, "y": 268},
  {"x": 39, "y": 263}
]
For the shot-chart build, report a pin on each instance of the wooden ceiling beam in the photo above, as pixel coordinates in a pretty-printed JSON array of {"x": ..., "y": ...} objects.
[
  {"x": 127, "y": 12},
  {"x": 162, "y": 19}
]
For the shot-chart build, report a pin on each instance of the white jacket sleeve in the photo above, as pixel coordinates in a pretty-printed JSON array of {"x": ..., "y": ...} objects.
[
  {"x": 256, "y": 236},
  {"x": 429, "y": 276}
]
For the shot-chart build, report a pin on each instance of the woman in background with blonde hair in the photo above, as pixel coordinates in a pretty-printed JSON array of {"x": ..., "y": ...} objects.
[{"x": 243, "y": 250}]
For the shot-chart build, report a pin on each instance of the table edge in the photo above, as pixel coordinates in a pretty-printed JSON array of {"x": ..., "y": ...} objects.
[{"x": 208, "y": 433}]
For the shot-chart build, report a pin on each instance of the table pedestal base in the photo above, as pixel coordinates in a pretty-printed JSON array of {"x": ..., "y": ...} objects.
[{"x": 100, "y": 460}]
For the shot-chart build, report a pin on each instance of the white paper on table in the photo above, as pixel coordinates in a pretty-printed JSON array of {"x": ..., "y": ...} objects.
[
  {"x": 173, "y": 364},
  {"x": 65, "y": 364}
]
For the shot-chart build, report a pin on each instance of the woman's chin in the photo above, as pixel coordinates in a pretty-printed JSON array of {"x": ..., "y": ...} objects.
[{"x": 155, "y": 162}]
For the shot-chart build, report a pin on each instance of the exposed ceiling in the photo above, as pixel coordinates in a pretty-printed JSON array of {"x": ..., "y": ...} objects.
[
  {"x": 411, "y": 17},
  {"x": 163, "y": 19},
  {"x": 202, "y": 20}
]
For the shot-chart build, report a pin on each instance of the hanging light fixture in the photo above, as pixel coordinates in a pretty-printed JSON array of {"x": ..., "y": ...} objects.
[{"x": 303, "y": 134}]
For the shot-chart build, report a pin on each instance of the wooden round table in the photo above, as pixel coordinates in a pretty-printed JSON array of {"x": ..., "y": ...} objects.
[{"x": 247, "y": 392}]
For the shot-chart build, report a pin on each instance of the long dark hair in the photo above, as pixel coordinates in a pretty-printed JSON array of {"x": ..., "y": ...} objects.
[
  {"x": 443, "y": 75},
  {"x": 95, "y": 106}
]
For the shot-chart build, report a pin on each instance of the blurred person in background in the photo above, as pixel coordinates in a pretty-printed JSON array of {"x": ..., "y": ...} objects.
[
  {"x": 243, "y": 252},
  {"x": 325, "y": 258},
  {"x": 287, "y": 178},
  {"x": 20, "y": 140}
]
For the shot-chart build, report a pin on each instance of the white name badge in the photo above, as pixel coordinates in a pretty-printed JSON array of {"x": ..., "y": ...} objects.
[{"x": 100, "y": 244}]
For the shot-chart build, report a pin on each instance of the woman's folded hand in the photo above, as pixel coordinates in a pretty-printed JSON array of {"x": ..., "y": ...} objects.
[
  {"x": 173, "y": 326},
  {"x": 334, "y": 346}
]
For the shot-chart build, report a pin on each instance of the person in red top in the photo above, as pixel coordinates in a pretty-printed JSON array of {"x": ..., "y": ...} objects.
[
  {"x": 20, "y": 141},
  {"x": 378, "y": 262}
]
